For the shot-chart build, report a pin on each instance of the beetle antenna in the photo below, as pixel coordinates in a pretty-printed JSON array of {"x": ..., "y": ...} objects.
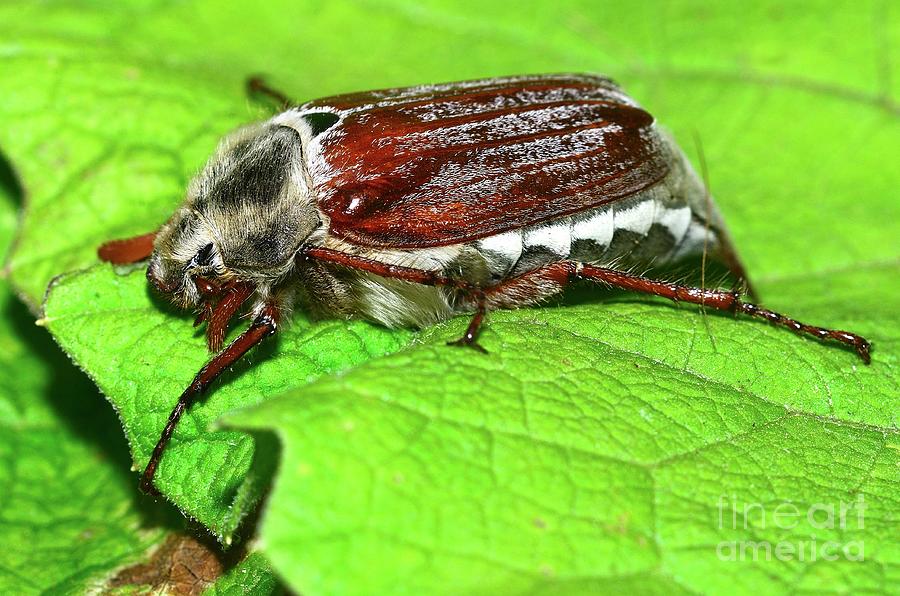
[{"x": 127, "y": 250}]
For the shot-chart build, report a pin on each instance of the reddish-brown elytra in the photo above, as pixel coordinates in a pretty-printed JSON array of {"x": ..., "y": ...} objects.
[{"x": 408, "y": 206}]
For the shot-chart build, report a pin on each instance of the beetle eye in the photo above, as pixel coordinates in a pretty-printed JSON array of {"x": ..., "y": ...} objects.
[{"x": 203, "y": 257}]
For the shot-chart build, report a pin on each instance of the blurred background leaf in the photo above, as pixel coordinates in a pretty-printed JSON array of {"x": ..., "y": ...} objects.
[{"x": 69, "y": 514}]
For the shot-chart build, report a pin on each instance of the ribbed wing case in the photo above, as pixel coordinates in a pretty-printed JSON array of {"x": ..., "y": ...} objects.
[{"x": 441, "y": 164}]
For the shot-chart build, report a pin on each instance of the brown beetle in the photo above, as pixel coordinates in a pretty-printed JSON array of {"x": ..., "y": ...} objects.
[{"x": 409, "y": 206}]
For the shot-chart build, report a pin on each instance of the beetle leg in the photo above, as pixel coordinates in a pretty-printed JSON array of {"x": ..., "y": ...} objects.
[
  {"x": 419, "y": 276},
  {"x": 204, "y": 314},
  {"x": 734, "y": 264},
  {"x": 263, "y": 326},
  {"x": 220, "y": 315},
  {"x": 209, "y": 291},
  {"x": 531, "y": 286},
  {"x": 469, "y": 337},
  {"x": 720, "y": 300},
  {"x": 127, "y": 250},
  {"x": 508, "y": 293},
  {"x": 257, "y": 84}
]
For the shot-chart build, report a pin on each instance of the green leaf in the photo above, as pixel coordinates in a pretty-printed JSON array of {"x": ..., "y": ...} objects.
[
  {"x": 584, "y": 448},
  {"x": 252, "y": 575},
  {"x": 67, "y": 511},
  {"x": 9, "y": 190},
  {"x": 121, "y": 336},
  {"x": 592, "y": 445}
]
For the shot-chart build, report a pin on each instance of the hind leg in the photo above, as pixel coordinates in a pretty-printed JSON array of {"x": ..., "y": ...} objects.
[
  {"x": 546, "y": 281},
  {"x": 720, "y": 300}
]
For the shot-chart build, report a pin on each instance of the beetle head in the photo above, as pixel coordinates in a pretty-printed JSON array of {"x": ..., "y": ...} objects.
[
  {"x": 245, "y": 217},
  {"x": 185, "y": 252}
]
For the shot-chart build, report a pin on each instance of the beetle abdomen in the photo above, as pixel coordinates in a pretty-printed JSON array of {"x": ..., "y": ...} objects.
[
  {"x": 659, "y": 224},
  {"x": 649, "y": 232}
]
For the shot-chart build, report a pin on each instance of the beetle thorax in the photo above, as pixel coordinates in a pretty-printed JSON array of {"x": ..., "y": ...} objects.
[{"x": 245, "y": 217}]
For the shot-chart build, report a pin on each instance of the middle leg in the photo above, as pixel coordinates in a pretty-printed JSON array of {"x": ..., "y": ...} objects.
[
  {"x": 527, "y": 288},
  {"x": 548, "y": 280}
]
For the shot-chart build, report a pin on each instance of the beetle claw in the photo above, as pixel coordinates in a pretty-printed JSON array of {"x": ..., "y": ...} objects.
[{"x": 465, "y": 341}]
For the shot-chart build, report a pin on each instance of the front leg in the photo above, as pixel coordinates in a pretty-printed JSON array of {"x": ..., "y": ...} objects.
[
  {"x": 218, "y": 305},
  {"x": 263, "y": 326}
]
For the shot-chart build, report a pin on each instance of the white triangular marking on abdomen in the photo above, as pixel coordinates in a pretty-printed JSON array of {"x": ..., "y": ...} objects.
[
  {"x": 637, "y": 219},
  {"x": 694, "y": 239},
  {"x": 555, "y": 237},
  {"x": 676, "y": 221},
  {"x": 597, "y": 227},
  {"x": 501, "y": 251}
]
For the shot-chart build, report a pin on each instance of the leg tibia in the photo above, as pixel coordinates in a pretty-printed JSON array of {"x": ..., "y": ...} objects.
[{"x": 729, "y": 301}]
